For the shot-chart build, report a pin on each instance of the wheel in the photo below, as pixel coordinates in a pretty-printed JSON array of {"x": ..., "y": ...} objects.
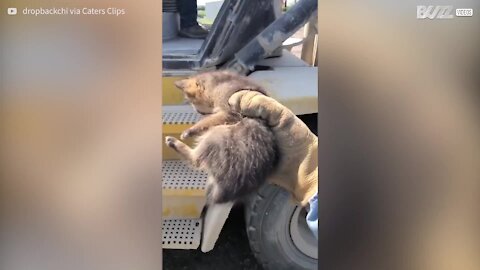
[
  {"x": 276, "y": 227},
  {"x": 277, "y": 231}
]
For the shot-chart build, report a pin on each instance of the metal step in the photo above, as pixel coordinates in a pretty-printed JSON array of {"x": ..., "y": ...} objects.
[
  {"x": 181, "y": 233},
  {"x": 176, "y": 119},
  {"x": 183, "y": 190},
  {"x": 179, "y": 114}
]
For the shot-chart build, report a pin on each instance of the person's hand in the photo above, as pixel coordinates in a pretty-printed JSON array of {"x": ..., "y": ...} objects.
[{"x": 298, "y": 168}]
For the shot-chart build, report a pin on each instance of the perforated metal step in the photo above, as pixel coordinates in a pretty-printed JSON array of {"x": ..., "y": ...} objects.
[
  {"x": 177, "y": 175},
  {"x": 183, "y": 190},
  {"x": 179, "y": 114},
  {"x": 181, "y": 233}
]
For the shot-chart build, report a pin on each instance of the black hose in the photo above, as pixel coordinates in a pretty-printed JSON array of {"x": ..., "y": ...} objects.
[{"x": 273, "y": 36}]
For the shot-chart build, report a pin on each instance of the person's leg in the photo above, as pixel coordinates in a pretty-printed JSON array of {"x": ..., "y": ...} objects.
[
  {"x": 188, "y": 13},
  {"x": 189, "y": 26}
]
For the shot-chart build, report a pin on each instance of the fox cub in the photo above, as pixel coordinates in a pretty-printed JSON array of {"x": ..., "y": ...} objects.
[{"x": 238, "y": 153}]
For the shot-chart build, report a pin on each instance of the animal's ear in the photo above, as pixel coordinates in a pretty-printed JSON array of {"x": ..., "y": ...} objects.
[{"x": 181, "y": 84}]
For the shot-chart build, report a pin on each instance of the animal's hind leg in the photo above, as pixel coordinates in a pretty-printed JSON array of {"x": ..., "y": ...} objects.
[{"x": 181, "y": 148}]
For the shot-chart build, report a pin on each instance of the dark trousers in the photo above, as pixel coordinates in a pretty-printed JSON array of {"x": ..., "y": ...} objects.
[{"x": 188, "y": 12}]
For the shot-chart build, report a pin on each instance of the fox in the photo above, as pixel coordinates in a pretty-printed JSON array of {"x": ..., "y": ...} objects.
[{"x": 238, "y": 153}]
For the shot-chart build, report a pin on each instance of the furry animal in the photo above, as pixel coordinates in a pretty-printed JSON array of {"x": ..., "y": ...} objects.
[{"x": 238, "y": 153}]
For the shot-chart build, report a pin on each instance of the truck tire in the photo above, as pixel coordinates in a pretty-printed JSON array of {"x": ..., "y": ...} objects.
[{"x": 277, "y": 231}]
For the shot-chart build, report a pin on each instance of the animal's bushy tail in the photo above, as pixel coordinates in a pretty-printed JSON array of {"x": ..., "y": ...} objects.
[{"x": 217, "y": 193}]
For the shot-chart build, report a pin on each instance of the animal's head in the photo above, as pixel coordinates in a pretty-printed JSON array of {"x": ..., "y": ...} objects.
[{"x": 199, "y": 89}]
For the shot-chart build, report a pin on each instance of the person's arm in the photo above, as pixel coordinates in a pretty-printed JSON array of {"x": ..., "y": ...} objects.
[{"x": 298, "y": 168}]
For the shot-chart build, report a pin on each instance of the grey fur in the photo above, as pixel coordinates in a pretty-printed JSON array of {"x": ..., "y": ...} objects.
[{"x": 238, "y": 157}]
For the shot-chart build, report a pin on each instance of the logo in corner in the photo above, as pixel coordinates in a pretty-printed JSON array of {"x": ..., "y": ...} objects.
[{"x": 434, "y": 12}]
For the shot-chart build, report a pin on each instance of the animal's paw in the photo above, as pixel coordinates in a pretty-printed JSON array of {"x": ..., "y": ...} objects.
[
  {"x": 170, "y": 141},
  {"x": 187, "y": 134}
]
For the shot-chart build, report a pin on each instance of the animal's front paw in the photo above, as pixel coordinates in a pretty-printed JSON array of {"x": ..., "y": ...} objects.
[
  {"x": 170, "y": 141},
  {"x": 187, "y": 134}
]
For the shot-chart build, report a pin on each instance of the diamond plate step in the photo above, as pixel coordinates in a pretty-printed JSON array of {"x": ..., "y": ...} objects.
[
  {"x": 181, "y": 233},
  {"x": 183, "y": 190},
  {"x": 176, "y": 119}
]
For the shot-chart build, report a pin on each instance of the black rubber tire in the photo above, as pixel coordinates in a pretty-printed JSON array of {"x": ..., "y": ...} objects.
[{"x": 268, "y": 214}]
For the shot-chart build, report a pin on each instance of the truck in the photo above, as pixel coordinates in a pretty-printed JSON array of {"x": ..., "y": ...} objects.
[{"x": 253, "y": 38}]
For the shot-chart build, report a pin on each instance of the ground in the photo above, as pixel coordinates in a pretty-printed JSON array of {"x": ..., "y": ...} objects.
[{"x": 231, "y": 251}]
